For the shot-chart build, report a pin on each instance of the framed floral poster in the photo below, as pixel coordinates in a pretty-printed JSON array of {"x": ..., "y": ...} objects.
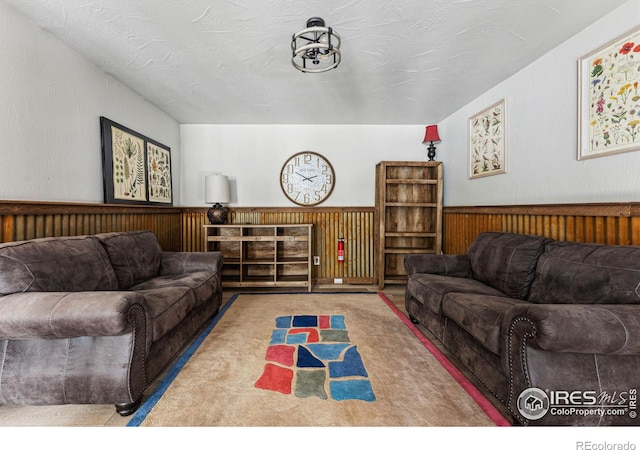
[
  {"x": 609, "y": 98},
  {"x": 136, "y": 169},
  {"x": 487, "y": 141}
]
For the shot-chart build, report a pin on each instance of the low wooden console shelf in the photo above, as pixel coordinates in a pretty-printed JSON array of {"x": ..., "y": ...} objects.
[{"x": 262, "y": 255}]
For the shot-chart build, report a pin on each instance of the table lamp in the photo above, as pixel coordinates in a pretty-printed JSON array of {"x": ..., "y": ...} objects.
[{"x": 216, "y": 188}]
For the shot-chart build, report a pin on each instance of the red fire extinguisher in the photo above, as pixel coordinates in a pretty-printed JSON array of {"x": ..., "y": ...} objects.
[{"x": 341, "y": 250}]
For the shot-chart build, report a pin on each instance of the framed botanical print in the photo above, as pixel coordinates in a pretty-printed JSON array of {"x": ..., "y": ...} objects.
[
  {"x": 609, "y": 98},
  {"x": 159, "y": 174},
  {"x": 487, "y": 141},
  {"x": 136, "y": 169}
]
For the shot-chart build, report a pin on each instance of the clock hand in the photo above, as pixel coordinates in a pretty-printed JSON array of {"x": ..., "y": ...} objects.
[{"x": 306, "y": 178}]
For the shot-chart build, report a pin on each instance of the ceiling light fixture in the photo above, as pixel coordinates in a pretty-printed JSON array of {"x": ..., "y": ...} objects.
[{"x": 316, "y": 48}]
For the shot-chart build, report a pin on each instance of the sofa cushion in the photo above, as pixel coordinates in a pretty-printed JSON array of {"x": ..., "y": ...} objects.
[
  {"x": 135, "y": 256},
  {"x": 168, "y": 306},
  {"x": 430, "y": 289},
  {"x": 570, "y": 272},
  {"x": 506, "y": 261},
  {"x": 479, "y": 315},
  {"x": 65, "y": 264},
  {"x": 203, "y": 284}
]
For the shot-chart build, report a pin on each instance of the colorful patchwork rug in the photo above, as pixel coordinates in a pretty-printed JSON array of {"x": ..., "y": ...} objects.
[
  {"x": 314, "y": 359},
  {"x": 306, "y": 351}
]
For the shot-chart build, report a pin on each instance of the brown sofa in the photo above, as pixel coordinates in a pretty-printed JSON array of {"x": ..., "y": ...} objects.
[
  {"x": 551, "y": 328},
  {"x": 94, "y": 319}
]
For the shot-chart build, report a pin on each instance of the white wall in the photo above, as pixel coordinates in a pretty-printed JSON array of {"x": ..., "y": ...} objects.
[
  {"x": 51, "y": 99},
  {"x": 50, "y": 150},
  {"x": 542, "y": 165},
  {"x": 252, "y": 157}
]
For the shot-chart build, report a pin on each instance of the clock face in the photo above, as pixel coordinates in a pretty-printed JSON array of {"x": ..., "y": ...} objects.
[{"x": 307, "y": 178}]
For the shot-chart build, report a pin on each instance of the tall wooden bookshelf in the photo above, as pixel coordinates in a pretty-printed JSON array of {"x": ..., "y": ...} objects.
[
  {"x": 262, "y": 255},
  {"x": 408, "y": 215}
]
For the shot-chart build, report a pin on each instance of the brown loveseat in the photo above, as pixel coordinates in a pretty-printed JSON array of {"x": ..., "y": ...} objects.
[
  {"x": 551, "y": 328},
  {"x": 94, "y": 319}
]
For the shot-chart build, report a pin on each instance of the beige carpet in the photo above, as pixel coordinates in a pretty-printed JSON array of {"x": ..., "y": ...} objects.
[{"x": 215, "y": 383}]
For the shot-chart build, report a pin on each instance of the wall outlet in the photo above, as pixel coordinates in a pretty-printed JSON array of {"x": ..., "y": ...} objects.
[
  {"x": 337, "y": 280},
  {"x": 316, "y": 260}
]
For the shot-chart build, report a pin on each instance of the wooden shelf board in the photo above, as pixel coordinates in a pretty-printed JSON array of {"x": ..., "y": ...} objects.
[
  {"x": 265, "y": 283},
  {"x": 257, "y": 278},
  {"x": 413, "y": 205},
  {"x": 410, "y": 181},
  {"x": 292, "y": 261},
  {"x": 291, "y": 279},
  {"x": 409, "y": 234},
  {"x": 227, "y": 261},
  {"x": 257, "y": 238},
  {"x": 261, "y": 262},
  {"x": 226, "y": 279},
  {"x": 408, "y": 250}
]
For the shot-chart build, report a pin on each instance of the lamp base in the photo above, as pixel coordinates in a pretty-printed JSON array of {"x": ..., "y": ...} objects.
[
  {"x": 217, "y": 214},
  {"x": 431, "y": 152}
]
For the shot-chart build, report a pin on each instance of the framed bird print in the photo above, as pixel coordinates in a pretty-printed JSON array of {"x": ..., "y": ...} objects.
[{"x": 487, "y": 141}]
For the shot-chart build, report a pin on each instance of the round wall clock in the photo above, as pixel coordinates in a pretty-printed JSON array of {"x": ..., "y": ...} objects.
[{"x": 307, "y": 178}]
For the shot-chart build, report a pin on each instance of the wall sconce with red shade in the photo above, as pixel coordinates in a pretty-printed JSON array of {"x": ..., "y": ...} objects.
[{"x": 431, "y": 136}]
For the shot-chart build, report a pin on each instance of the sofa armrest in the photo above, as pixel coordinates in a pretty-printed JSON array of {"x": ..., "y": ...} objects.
[
  {"x": 561, "y": 346},
  {"x": 449, "y": 265},
  {"x": 53, "y": 315},
  {"x": 576, "y": 328},
  {"x": 176, "y": 263}
]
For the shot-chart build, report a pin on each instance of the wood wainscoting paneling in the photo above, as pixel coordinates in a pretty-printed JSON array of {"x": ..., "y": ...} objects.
[
  {"x": 354, "y": 224},
  {"x": 20, "y": 221},
  {"x": 182, "y": 228},
  {"x": 609, "y": 223}
]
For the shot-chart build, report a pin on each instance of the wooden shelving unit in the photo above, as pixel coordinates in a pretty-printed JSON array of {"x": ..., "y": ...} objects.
[
  {"x": 262, "y": 255},
  {"x": 408, "y": 215}
]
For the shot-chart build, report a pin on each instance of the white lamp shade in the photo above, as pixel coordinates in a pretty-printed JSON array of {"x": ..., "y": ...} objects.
[{"x": 216, "y": 189}]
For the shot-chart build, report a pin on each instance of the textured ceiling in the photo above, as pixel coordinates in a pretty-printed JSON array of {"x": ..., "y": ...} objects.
[{"x": 229, "y": 61}]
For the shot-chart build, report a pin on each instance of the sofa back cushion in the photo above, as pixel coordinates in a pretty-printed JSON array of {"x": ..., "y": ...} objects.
[
  {"x": 135, "y": 256},
  {"x": 63, "y": 264},
  {"x": 506, "y": 261},
  {"x": 570, "y": 272}
]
